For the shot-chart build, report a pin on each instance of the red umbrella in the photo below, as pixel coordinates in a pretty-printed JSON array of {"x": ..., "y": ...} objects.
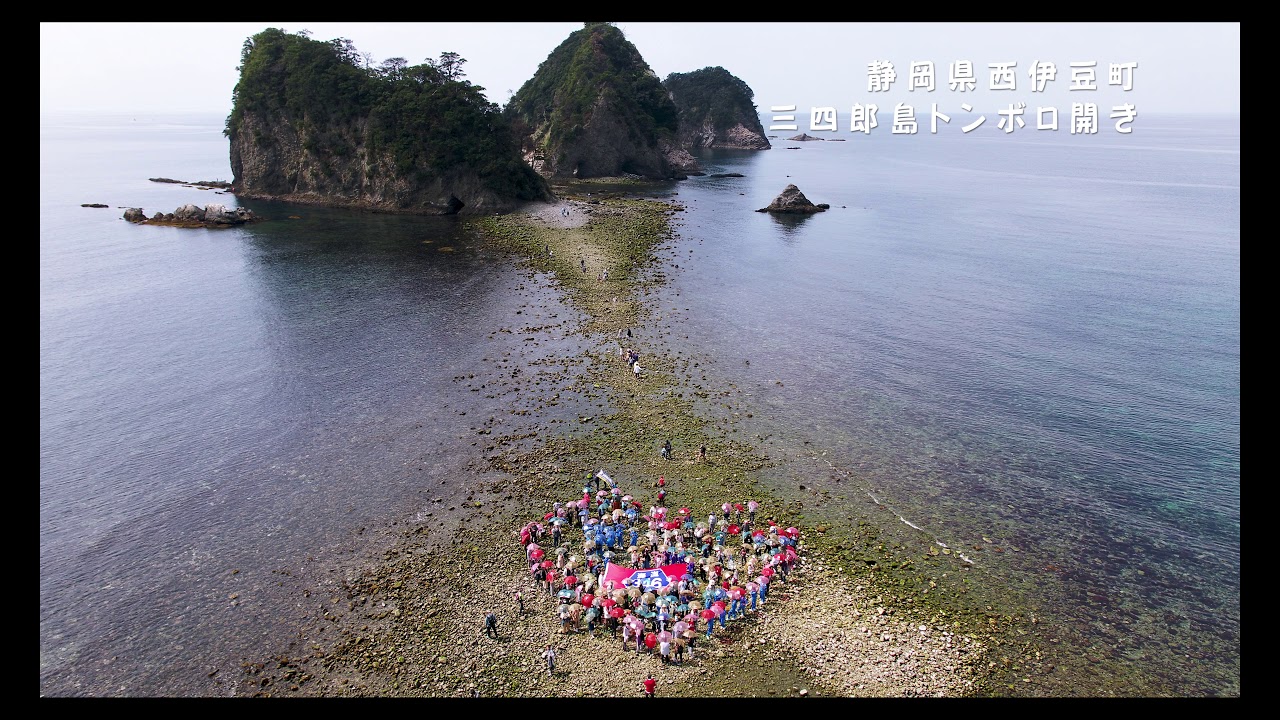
[
  {"x": 792, "y": 532},
  {"x": 617, "y": 612},
  {"x": 758, "y": 533},
  {"x": 738, "y": 507},
  {"x": 684, "y": 511},
  {"x": 650, "y": 640},
  {"x": 734, "y": 529},
  {"x": 707, "y": 614},
  {"x": 537, "y": 553},
  {"x": 569, "y": 581},
  {"x": 548, "y": 564},
  {"x": 767, "y": 572},
  {"x": 718, "y": 605},
  {"x": 587, "y": 599},
  {"x": 671, "y": 525},
  {"x": 548, "y": 516},
  {"x": 609, "y": 603},
  {"x": 791, "y": 553}
]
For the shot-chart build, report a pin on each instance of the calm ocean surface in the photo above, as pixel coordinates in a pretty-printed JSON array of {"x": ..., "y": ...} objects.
[{"x": 1028, "y": 342}]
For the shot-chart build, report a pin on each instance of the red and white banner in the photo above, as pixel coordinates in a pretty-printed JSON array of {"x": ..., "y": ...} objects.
[{"x": 651, "y": 579}]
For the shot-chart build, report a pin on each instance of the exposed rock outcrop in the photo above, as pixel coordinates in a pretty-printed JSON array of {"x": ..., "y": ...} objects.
[
  {"x": 805, "y": 137},
  {"x": 198, "y": 183},
  {"x": 792, "y": 201},
  {"x": 194, "y": 216},
  {"x": 716, "y": 110}
]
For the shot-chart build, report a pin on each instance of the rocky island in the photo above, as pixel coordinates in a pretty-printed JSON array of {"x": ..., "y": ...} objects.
[
  {"x": 792, "y": 201},
  {"x": 596, "y": 109},
  {"x": 716, "y": 110},
  {"x": 193, "y": 216},
  {"x": 310, "y": 123}
]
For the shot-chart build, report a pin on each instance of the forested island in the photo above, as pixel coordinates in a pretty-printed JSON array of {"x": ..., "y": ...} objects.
[{"x": 320, "y": 123}]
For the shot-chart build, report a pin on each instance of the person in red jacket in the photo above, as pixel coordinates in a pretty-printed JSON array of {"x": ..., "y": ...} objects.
[{"x": 649, "y": 685}]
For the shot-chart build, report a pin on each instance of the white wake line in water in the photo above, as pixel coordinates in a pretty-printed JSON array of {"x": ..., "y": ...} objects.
[
  {"x": 1028, "y": 176},
  {"x": 877, "y": 501}
]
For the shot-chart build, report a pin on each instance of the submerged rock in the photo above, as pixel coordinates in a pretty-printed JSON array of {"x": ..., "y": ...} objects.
[{"x": 793, "y": 201}]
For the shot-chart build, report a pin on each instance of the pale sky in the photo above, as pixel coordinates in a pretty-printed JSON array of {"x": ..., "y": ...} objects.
[{"x": 134, "y": 67}]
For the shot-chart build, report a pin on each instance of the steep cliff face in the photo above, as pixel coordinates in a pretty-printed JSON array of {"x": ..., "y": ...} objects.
[
  {"x": 272, "y": 159},
  {"x": 594, "y": 108},
  {"x": 311, "y": 125},
  {"x": 716, "y": 110}
]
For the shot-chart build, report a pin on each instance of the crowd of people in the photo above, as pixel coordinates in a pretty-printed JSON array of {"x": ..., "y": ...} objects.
[{"x": 657, "y": 580}]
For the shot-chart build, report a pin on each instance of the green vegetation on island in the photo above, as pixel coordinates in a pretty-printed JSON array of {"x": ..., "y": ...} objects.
[
  {"x": 393, "y": 136},
  {"x": 712, "y": 104},
  {"x": 595, "y": 90}
]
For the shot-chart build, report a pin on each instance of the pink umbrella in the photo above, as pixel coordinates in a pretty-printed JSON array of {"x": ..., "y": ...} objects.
[
  {"x": 753, "y": 587},
  {"x": 792, "y": 532},
  {"x": 664, "y": 636},
  {"x": 752, "y": 505},
  {"x": 724, "y": 507},
  {"x": 691, "y": 617},
  {"x": 601, "y": 493},
  {"x": 680, "y": 627},
  {"x": 718, "y": 605}
]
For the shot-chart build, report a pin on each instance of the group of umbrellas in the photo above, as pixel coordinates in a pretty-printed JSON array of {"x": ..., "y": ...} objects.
[{"x": 670, "y": 615}]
